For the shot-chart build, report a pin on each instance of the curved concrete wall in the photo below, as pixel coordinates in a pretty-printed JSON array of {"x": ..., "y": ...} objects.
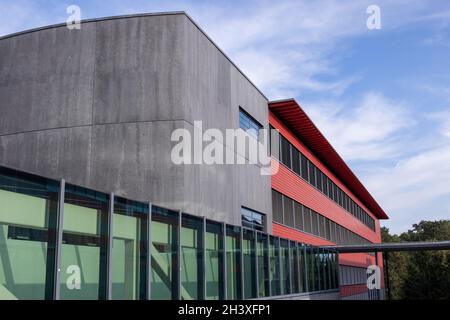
[{"x": 97, "y": 107}]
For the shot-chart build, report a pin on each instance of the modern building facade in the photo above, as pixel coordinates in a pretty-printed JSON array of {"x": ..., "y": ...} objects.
[{"x": 93, "y": 207}]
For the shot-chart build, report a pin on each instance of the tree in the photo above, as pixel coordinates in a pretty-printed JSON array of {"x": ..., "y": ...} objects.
[{"x": 424, "y": 274}]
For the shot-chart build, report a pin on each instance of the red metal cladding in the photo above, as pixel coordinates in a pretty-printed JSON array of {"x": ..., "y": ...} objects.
[
  {"x": 292, "y": 115},
  {"x": 297, "y": 128}
]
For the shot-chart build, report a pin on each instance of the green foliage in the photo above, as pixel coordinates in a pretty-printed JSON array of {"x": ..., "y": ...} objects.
[{"x": 424, "y": 274}]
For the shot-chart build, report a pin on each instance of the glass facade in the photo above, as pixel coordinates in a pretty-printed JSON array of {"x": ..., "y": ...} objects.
[
  {"x": 109, "y": 247},
  {"x": 129, "y": 249}
]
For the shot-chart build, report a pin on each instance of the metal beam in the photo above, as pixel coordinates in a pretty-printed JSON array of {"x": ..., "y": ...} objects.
[
  {"x": 109, "y": 248},
  {"x": 58, "y": 244},
  {"x": 387, "y": 247}
]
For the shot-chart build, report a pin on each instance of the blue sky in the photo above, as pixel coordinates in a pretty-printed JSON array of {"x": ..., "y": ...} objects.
[{"x": 382, "y": 97}]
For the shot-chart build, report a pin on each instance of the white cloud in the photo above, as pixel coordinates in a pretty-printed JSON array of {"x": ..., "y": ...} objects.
[{"x": 370, "y": 130}]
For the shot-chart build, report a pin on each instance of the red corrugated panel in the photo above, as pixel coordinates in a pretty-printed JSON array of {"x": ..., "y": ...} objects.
[{"x": 291, "y": 114}]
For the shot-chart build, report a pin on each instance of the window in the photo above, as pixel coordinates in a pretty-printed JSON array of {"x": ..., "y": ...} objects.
[
  {"x": 249, "y": 256},
  {"x": 285, "y": 152},
  {"x": 191, "y": 269},
  {"x": 274, "y": 264},
  {"x": 252, "y": 219},
  {"x": 288, "y": 211},
  {"x": 249, "y": 124},
  {"x": 130, "y": 230},
  {"x": 164, "y": 231},
  {"x": 277, "y": 206},
  {"x": 295, "y": 161},
  {"x": 262, "y": 254},
  {"x": 84, "y": 226},
  {"x": 214, "y": 261},
  {"x": 233, "y": 247},
  {"x": 307, "y": 217},
  {"x": 28, "y": 205},
  {"x": 312, "y": 174},
  {"x": 304, "y": 165},
  {"x": 315, "y": 223},
  {"x": 298, "y": 213}
]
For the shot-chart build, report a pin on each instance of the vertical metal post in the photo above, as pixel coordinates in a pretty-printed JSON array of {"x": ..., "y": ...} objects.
[
  {"x": 386, "y": 267},
  {"x": 242, "y": 263},
  {"x": 148, "y": 262},
  {"x": 203, "y": 295},
  {"x": 289, "y": 268},
  {"x": 109, "y": 245},
  {"x": 299, "y": 274},
  {"x": 178, "y": 289},
  {"x": 58, "y": 245},
  {"x": 376, "y": 263},
  {"x": 256, "y": 263},
  {"x": 306, "y": 262},
  {"x": 268, "y": 265},
  {"x": 225, "y": 277},
  {"x": 279, "y": 264}
]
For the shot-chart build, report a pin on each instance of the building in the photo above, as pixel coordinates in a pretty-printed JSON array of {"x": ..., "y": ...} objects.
[{"x": 85, "y": 155}]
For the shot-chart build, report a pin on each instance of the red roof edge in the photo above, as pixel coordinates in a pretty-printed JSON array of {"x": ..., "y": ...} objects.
[{"x": 293, "y": 116}]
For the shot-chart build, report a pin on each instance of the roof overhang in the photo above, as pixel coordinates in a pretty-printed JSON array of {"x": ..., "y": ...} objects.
[{"x": 293, "y": 116}]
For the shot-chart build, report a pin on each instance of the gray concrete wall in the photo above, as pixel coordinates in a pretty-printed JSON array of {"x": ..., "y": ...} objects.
[{"x": 97, "y": 107}]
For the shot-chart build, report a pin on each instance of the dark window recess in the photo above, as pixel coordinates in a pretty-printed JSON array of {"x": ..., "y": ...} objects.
[
  {"x": 312, "y": 173},
  {"x": 304, "y": 165},
  {"x": 285, "y": 147},
  {"x": 299, "y": 224},
  {"x": 252, "y": 219},
  {"x": 307, "y": 217},
  {"x": 296, "y": 161},
  {"x": 277, "y": 207},
  {"x": 288, "y": 214}
]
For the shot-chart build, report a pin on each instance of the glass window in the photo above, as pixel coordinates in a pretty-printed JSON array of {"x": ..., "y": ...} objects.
[
  {"x": 315, "y": 223},
  {"x": 319, "y": 179},
  {"x": 83, "y": 249},
  {"x": 252, "y": 219},
  {"x": 274, "y": 252},
  {"x": 295, "y": 267},
  {"x": 311, "y": 268},
  {"x": 164, "y": 231},
  {"x": 295, "y": 161},
  {"x": 284, "y": 267},
  {"x": 28, "y": 210},
  {"x": 312, "y": 174},
  {"x": 249, "y": 124},
  {"x": 321, "y": 225},
  {"x": 298, "y": 216},
  {"x": 304, "y": 167},
  {"x": 191, "y": 268},
  {"x": 277, "y": 206},
  {"x": 317, "y": 269},
  {"x": 327, "y": 229},
  {"x": 262, "y": 252},
  {"x": 302, "y": 268},
  {"x": 274, "y": 143},
  {"x": 307, "y": 217},
  {"x": 129, "y": 251},
  {"x": 249, "y": 255},
  {"x": 288, "y": 205},
  {"x": 285, "y": 152},
  {"x": 233, "y": 253},
  {"x": 214, "y": 261}
]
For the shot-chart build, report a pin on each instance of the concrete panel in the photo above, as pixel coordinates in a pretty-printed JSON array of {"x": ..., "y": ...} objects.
[
  {"x": 56, "y": 153},
  {"x": 46, "y": 79},
  {"x": 139, "y": 69},
  {"x": 133, "y": 161}
]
